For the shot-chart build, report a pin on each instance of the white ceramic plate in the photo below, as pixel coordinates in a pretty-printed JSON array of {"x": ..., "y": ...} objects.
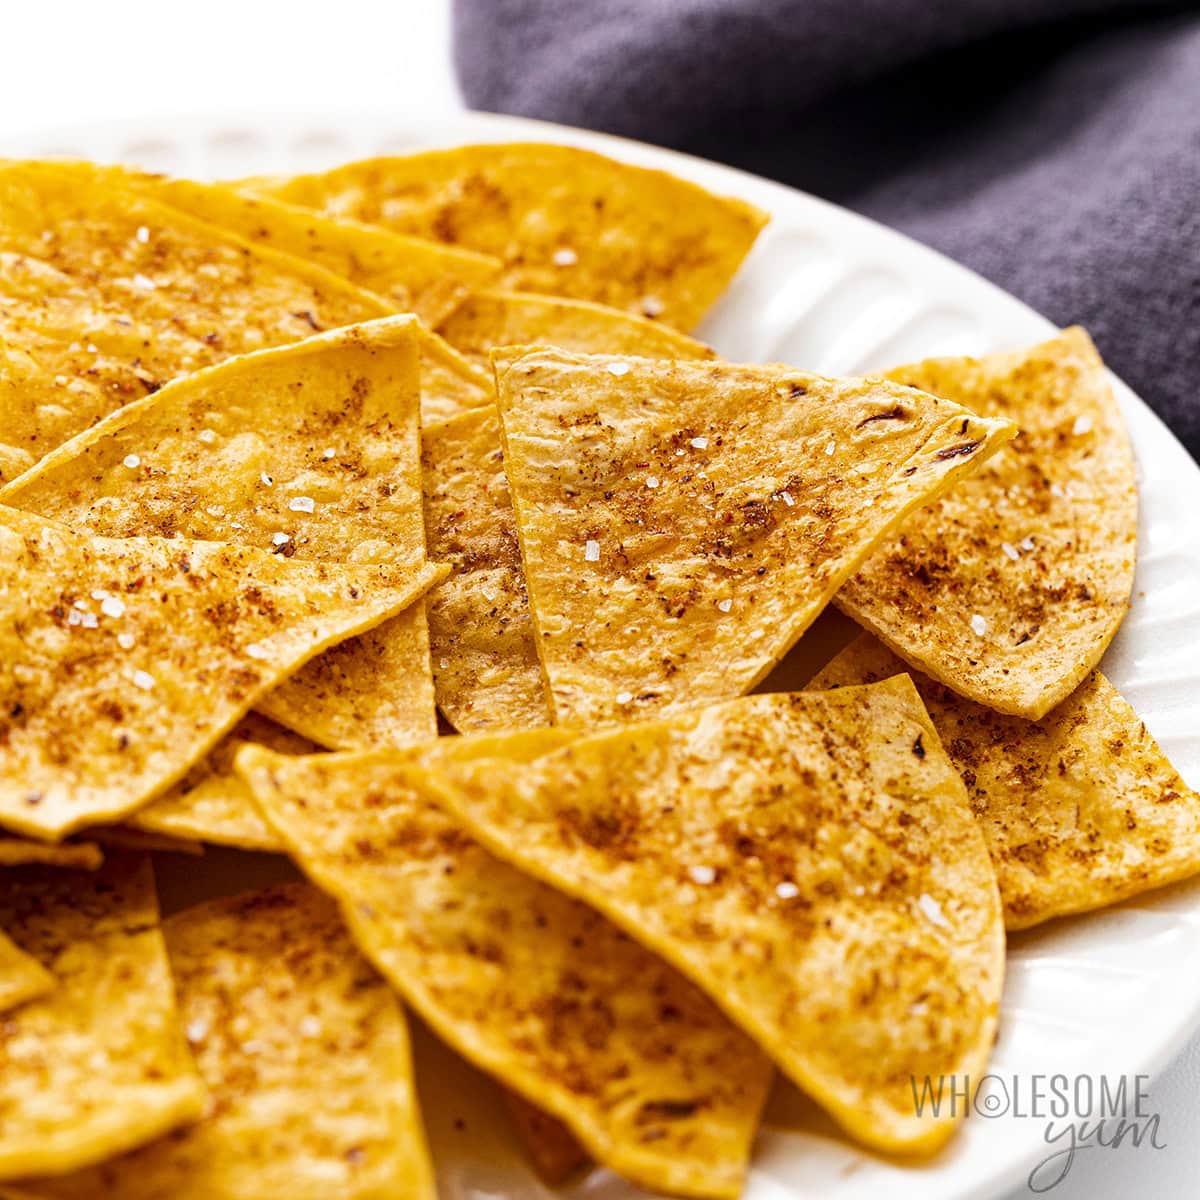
[{"x": 1114, "y": 993}]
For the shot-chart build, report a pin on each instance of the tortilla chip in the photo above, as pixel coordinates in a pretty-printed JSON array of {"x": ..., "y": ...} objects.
[
  {"x": 683, "y": 523},
  {"x": 124, "y": 837},
  {"x": 554, "y": 1149},
  {"x": 488, "y": 319},
  {"x": 1010, "y": 588},
  {"x": 305, "y": 1052},
  {"x": 212, "y": 803},
  {"x": 537, "y": 989},
  {"x": 565, "y": 221},
  {"x": 414, "y": 274},
  {"x": 485, "y": 665},
  {"x": 18, "y": 852},
  {"x": 808, "y": 859},
  {"x": 449, "y": 383},
  {"x": 123, "y": 661},
  {"x": 312, "y": 450},
  {"x": 22, "y": 977},
  {"x": 99, "y": 1065},
  {"x": 1080, "y": 809},
  {"x": 105, "y": 295}
]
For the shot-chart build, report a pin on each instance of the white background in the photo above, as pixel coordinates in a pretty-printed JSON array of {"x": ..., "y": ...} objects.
[{"x": 68, "y": 63}]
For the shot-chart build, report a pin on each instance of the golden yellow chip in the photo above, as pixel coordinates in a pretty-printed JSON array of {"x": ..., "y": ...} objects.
[
  {"x": 22, "y": 977},
  {"x": 415, "y": 274},
  {"x": 212, "y": 802},
  {"x": 106, "y": 295},
  {"x": 485, "y": 664},
  {"x": 808, "y": 859},
  {"x": 309, "y": 450},
  {"x": 489, "y": 318},
  {"x": 126, "y": 837},
  {"x": 305, "y": 1052},
  {"x": 449, "y": 383},
  {"x": 123, "y": 661},
  {"x": 1080, "y": 809},
  {"x": 19, "y": 852},
  {"x": 683, "y": 523},
  {"x": 553, "y": 1148},
  {"x": 565, "y": 221},
  {"x": 1010, "y": 588},
  {"x": 535, "y": 988},
  {"x": 99, "y": 1064}
]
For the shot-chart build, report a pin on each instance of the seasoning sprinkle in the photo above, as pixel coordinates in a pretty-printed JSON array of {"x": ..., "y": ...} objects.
[
  {"x": 304, "y": 504},
  {"x": 132, "y": 461},
  {"x": 591, "y": 551}
]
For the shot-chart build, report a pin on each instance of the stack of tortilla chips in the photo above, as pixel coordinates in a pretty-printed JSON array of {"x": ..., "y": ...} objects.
[{"x": 290, "y": 466}]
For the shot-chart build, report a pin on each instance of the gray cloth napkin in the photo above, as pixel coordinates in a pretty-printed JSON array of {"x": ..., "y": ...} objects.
[{"x": 1052, "y": 145}]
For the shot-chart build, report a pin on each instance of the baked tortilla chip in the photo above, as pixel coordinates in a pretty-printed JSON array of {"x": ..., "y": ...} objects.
[
  {"x": 22, "y": 977},
  {"x": 124, "y": 661},
  {"x": 99, "y": 1064},
  {"x": 534, "y": 988},
  {"x": 566, "y": 222},
  {"x": 106, "y": 294},
  {"x": 19, "y": 852},
  {"x": 416, "y": 275},
  {"x": 1080, "y": 809},
  {"x": 212, "y": 803},
  {"x": 683, "y": 523},
  {"x": 809, "y": 860},
  {"x": 1010, "y": 588},
  {"x": 488, "y": 318},
  {"x": 554, "y": 1150},
  {"x": 125, "y": 837},
  {"x": 309, "y": 450},
  {"x": 485, "y": 664},
  {"x": 305, "y": 1052},
  {"x": 449, "y": 383}
]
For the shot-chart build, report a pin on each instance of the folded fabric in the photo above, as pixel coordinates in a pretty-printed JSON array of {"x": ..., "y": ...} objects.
[{"x": 1052, "y": 145}]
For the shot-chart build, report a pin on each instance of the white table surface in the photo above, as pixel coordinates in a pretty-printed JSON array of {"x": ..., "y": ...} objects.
[{"x": 67, "y": 63}]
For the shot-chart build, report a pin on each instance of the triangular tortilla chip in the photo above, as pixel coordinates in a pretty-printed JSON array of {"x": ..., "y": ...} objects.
[
  {"x": 565, "y": 221},
  {"x": 305, "y": 1052},
  {"x": 19, "y": 852},
  {"x": 488, "y": 318},
  {"x": 537, "y": 989},
  {"x": 683, "y": 523},
  {"x": 99, "y": 1064},
  {"x": 809, "y": 860},
  {"x": 106, "y": 295},
  {"x": 416, "y": 275},
  {"x": 554, "y": 1150},
  {"x": 1010, "y": 588},
  {"x": 22, "y": 977},
  {"x": 123, "y": 661},
  {"x": 449, "y": 383},
  {"x": 309, "y": 450},
  {"x": 212, "y": 802},
  {"x": 485, "y": 665},
  {"x": 1080, "y": 809}
]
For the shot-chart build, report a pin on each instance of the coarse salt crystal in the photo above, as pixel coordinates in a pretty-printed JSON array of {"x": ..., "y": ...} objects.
[
  {"x": 443, "y": 664},
  {"x": 1056, "y": 489},
  {"x": 979, "y": 625},
  {"x": 725, "y": 605},
  {"x": 1010, "y": 550},
  {"x": 624, "y": 697},
  {"x": 932, "y": 910},
  {"x": 1027, "y": 544},
  {"x": 787, "y": 890},
  {"x": 100, "y": 594},
  {"x": 703, "y": 875},
  {"x": 143, "y": 679},
  {"x": 310, "y": 1026},
  {"x": 304, "y": 504},
  {"x": 1082, "y": 425},
  {"x": 281, "y": 539},
  {"x": 196, "y": 1031},
  {"x": 591, "y": 551},
  {"x": 207, "y": 436},
  {"x": 786, "y": 497},
  {"x": 88, "y": 621},
  {"x": 255, "y": 650},
  {"x": 329, "y": 453},
  {"x": 215, "y": 510},
  {"x": 651, "y": 481},
  {"x": 617, "y": 368},
  {"x": 564, "y": 256},
  {"x": 267, "y": 481},
  {"x": 61, "y": 380},
  {"x": 132, "y": 461},
  {"x": 652, "y": 306},
  {"x": 829, "y": 449},
  {"x": 125, "y": 641},
  {"x": 700, "y": 443},
  {"x": 144, "y": 281},
  {"x": 143, "y": 234},
  {"x": 112, "y": 606}
]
